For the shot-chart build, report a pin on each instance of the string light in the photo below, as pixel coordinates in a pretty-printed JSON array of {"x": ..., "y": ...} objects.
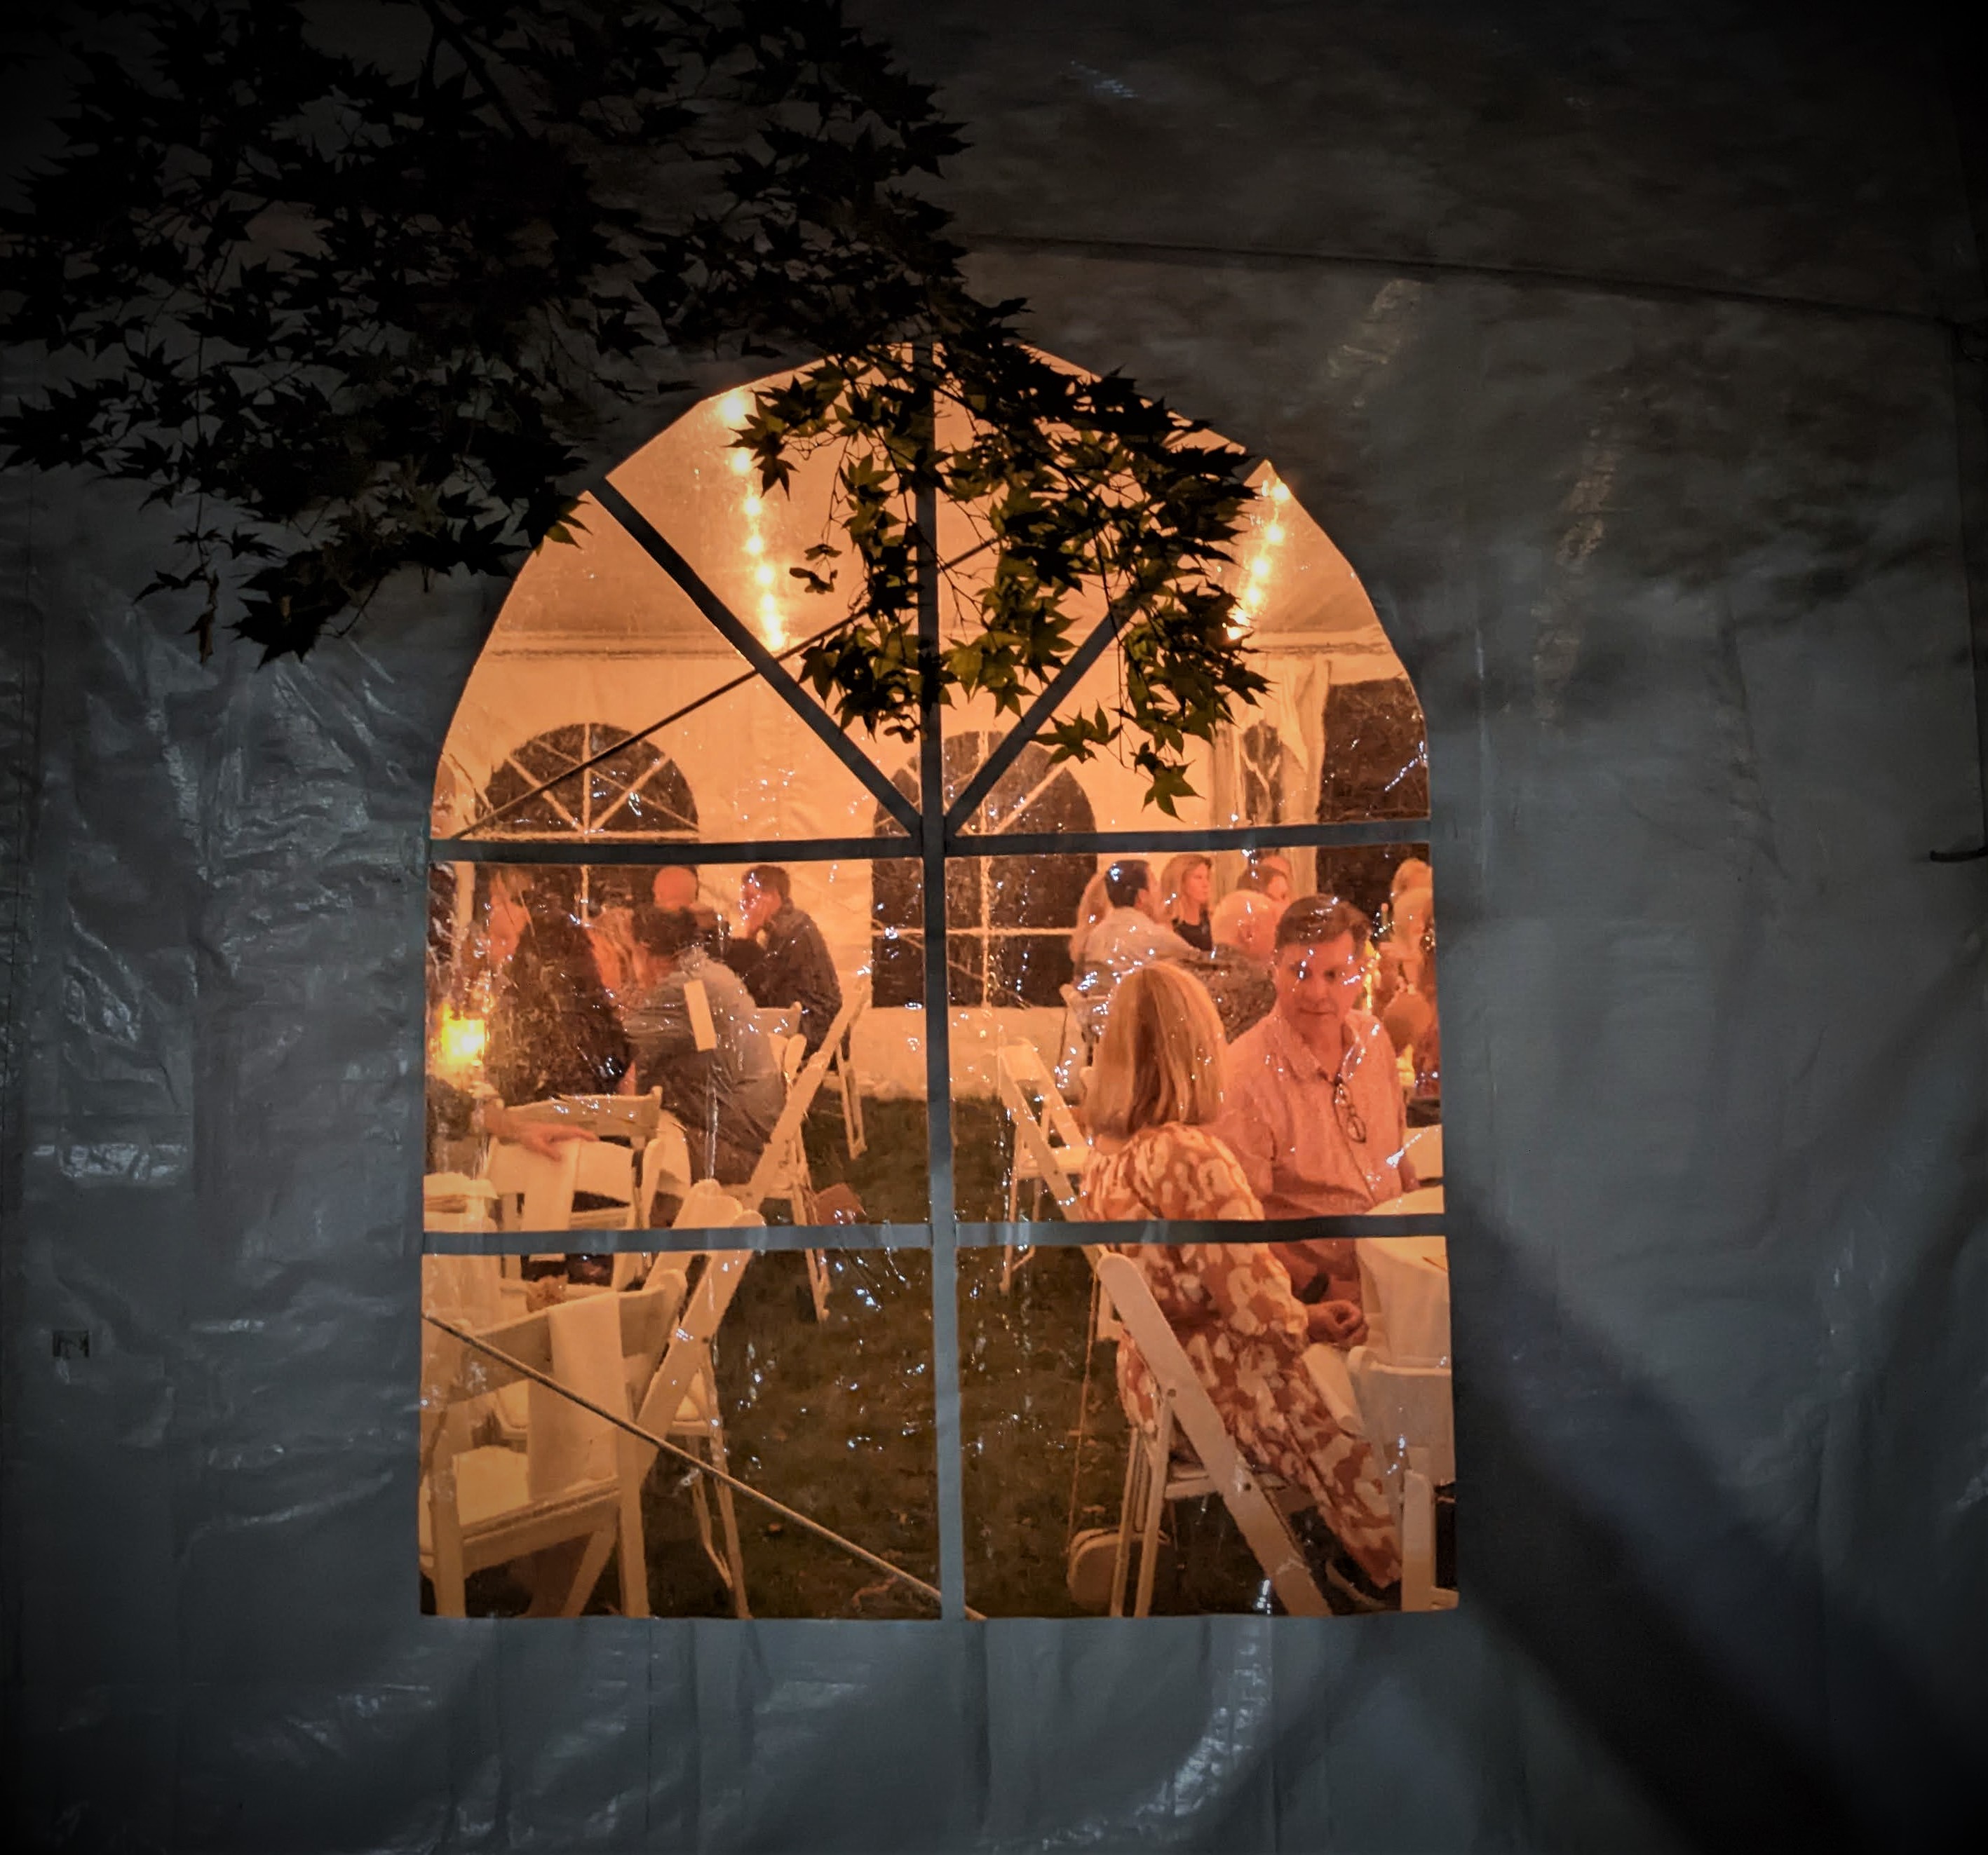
[
  {"x": 1256, "y": 580},
  {"x": 735, "y": 408}
]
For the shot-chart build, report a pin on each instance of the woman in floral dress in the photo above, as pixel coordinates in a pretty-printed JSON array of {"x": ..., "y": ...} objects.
[{"x": 1156, "y": 1085}]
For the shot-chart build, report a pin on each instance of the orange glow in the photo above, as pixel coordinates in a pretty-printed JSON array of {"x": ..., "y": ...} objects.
[{"x": 460, "y": 1044}]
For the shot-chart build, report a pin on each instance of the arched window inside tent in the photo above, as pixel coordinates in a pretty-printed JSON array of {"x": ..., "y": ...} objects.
[{"x": 633, "y": 790}]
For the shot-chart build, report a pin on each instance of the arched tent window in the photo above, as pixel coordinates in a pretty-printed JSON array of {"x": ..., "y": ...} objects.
[
  {"x": 1008, "y": 918},
  {"x": 633, "y": 727},
  {"x": 631, "y": 791}
]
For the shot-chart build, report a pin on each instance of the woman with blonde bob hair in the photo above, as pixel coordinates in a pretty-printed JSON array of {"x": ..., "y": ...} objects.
[
  {"x": 1156, "y": 1084},
  {"x": 1161, "y": 1060}
]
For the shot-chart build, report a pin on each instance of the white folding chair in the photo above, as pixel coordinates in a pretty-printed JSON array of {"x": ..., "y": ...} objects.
[
  {"x": 535, "y": 1191},
  {"x": 1155, "y": 1475},
  {"x": 1401, "y": 1381},
  {"x": 853, "y": 1134},
  {"x": 681, "y": 1402},
  {"x": 783, "y": 1172},
  {"x": 485, "y": 1505},
  {"x": 665, "y": 1167},
  {"x": 1048, "y": 1147}
]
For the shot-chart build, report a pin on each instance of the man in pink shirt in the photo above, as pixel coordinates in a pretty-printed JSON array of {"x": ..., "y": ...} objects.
[{"x": 1314, "y": 1107}]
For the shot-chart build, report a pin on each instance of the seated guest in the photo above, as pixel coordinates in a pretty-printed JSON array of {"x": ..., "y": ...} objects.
[
  {"x": 728, "y": 1096},
  {"x": 1134, "y": 931},
  {"x": 1410, "y": 922},
  {"x": 1269, "y": 873},
  {"x": 612, "y": 930},
  {"x": 1157, "y": 1086},
  {"x": 1091, "y": 908},
  {"x": 1314, "y": 1111},
  {"x": 553, "y": 1028},
  {"x": 780, "y": 953},
  {"x": 1244, "y": 926},
  {"x": 1186, "y": 885},
  {"x": 676, "y": 886},
  {"x": 1133, "y": 934}
]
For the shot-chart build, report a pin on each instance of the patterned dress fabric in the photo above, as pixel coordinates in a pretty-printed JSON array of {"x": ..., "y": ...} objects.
[{"x": 1232, "y": 1306}]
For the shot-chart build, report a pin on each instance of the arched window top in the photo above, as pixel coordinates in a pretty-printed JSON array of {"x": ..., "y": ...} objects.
[
  {"x": 595, "y": 630},
  {"x": 637, "y": 792}
]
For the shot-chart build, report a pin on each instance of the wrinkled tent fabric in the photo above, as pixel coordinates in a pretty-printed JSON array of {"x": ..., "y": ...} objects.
[{"x": 1680, "y": 576}]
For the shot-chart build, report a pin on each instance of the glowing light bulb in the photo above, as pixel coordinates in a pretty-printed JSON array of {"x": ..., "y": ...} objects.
[
  {"x": 763, "y": 573},
  {"x": 754, "y": 545},
  {"x": 1280, "y": 492},
  {"x": 771, "y": 625},
  {"x": 460, "y": 1043},
  {"x": 753, "y": 503},
  {"x": 736, "y": 407},
  {"x": 1259, "y": 568},
  {"x": 1275, "y": 532},
  {"x": 742, "y": 462}
]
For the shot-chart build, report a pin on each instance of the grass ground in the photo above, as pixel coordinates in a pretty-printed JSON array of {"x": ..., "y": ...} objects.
[{"x": 836, "y": 1419}]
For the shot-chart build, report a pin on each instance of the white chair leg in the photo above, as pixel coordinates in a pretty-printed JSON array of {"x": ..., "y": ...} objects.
[
  {"x": 446, "y": 1574},
  {"x": 852, "y": 1108},
  {"x": 1156, "y": 1501},
  {"x": 592, "y": 1562},
  {"x": 634, "y": 1554},
  {"x": 1418, "y": 1542},
  {"x": 728, "y": 1514},
  {"x": 1128, "y": 1500}
]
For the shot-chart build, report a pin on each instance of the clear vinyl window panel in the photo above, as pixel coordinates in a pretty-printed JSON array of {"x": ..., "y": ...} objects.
[{"x": 680, "y": 1356}]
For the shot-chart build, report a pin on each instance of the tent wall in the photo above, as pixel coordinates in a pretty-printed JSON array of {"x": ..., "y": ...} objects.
[{"x": 1615, "y": 348}]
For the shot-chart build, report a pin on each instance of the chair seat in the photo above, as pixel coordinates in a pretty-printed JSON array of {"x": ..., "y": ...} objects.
[{"x": 492, "y": 1487}]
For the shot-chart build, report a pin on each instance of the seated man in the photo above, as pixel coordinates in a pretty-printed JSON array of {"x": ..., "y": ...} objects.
[
  {"x": 677, "y": 886},
  {"x": 726, "y": 1089},
  {"x": 1245, "y": 927},
  {"x": 1314, "y": 1105},
  {"x": 780, "y": 953},
  {"x": 1133, "y": 933}
]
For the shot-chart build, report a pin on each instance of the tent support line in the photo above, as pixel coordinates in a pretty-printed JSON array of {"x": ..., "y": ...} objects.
[
  {"x": 650, "y": 538},
  {"x": 667, "y": 1447}
]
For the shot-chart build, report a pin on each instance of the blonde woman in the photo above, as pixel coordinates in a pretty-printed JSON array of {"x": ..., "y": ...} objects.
[
  {"x": 1156, "y": 1087},
  {"x": 1092, "y": 907},
  {"x": 1186, "y": 889}
]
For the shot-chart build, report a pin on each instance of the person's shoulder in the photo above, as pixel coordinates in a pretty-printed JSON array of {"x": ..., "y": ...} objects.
[
  {"x": 1256, "y": 1045},
  {"x": 1366, "y": 1027}
]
